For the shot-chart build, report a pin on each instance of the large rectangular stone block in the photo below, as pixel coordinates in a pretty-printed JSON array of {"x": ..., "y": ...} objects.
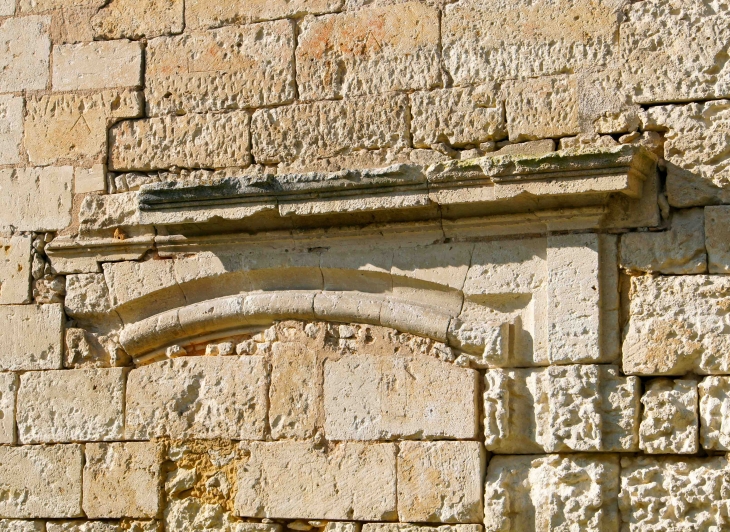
[
  {"x": 31, "y": 337},
  {"x": 213, "y": 13},
  {"x": 717, "y": 238},
  {"x": 669, "y": 419},
  {"x": 97, "y": 65},
  {"x": 369, "y": 51},
  {"x": 198, "y": 397},
  {"x": 11, "y": 128},
  {"x": 293, "y": 480},
  {"x": 561, "y": 408},
  {"x": 15, "y": 264},
  {"x": 135, "y": 19},
  {"x": 36, "y": 199},
  {"x": 373, "y": 397},
  {"x": 71, "y": 405},
  {"x": 191, "y": 141},
  {"x": 8, "y": 389},
  {"x": 25, "y": 55},
  {"x": 714, "y": 393},
  {"x": 41, "y": 481},
  {"x": 221, "y": 69}
]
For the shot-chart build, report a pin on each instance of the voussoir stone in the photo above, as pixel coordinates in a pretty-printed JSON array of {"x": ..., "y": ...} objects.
[
  {"x": 15, "y": 270},
  {"x": 134, "y": 19},
  {"x": 213, "y": 13},
  {"x": 31, "y": 338},
  {"x": 25, "y": 56},
  {"x": 669, "y": 420}
]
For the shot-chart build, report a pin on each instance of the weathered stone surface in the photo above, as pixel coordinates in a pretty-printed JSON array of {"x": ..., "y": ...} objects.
[
  {"x": 221, "y": 69},
  {"x": 90, "y": 179},
  {"x": 70, "y": 22},
  {"x": 557, "y": 409},
  {"x": 25, "y": 56},
  {"x": 13, "y": 525},
  {"x": 122, "y": 479},
  {"x": 11, "y": 128},
  {"x": 73, "y": 127},
  {"x": 369, "y": 51},
  {"x": 669, "y": 420},
  {"x": 135, "y": 19},
  {"x": 97, "y": 65},
  {"x": 212, "y": 13},
  {"x": 325, "y": 129},
  {"x": 373, "y": 397},
  {"x": 672, "y": 493},
  {"x": 31, "y": 338},
  {"x": 680, "y": 250},
  {"x": 15, "y": 269},
  {"x": 41, "y": 481},
  {"x": 192, "y": 141},
  {"x": 717, "y": 238},
  {"x": 87, "y": 296},
  {"x": 408, "y": 527},
  {"x": 198, "y": 397},
  {"x": 8, "y": 389},
  {"x": 36, "y": 199},
  {"x": 7, "y": 8},
  {"x": 83, "y": 526},
  {"x": 346, "y": 481},
  {"x": 71, "y": 405},
  {"x": 555, "y": 492},
  {"x": 440, "y": 482},
  {"x": 677, "y": 325},
  {"x": 714, "y": 406}
]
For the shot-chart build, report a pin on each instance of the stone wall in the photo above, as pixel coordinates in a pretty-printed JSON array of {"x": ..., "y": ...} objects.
[{"x": 364, "y": 266}]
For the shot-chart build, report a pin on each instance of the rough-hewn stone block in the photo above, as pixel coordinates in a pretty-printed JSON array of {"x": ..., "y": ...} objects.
[
  {"x": 25, "y": 56},
  {"x": 31, "y": 337},
  {"x": 14, "y": 525},
  {"x": 714, "y": 404},
  {"x": 11, "y": 128},
  {"x": 8, "y": 389},
  {"x": 369, "y": 51},
  {"x": 346, "y": 481},
  {"x": 87, "y": 296},
  {"x": 669, "y": 420},
  {"x": 372, "y": 397},
  {"x": 134, "y": 19},
  {"x": 408, "y": 527},
  {"x": 192, "y": 141},
  {"x": 717, "y": 238},
  {"x": 221, "y": 69},
  {"x": 71, "y": 405},
  {"x": 84, "y": 526},
  {"x": 36, "y": 199},
  {"x": 554, "y": 492},
  {"x": 453, "y": 491},
  {"x": 15, "y": 265},
  {"x": 122, "y": 479},
  {"x": 212, "y": 13},
  {"x": 200, "y": 397},
  {"x": 97, "y": 65},
  {"x": 41, "y": 481}
]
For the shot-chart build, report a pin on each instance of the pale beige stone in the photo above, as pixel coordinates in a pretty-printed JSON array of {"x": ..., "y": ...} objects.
[
  {"x": 70, "y": 20},
  {"x": 63, "y": 127},
  {"x": 408, "y": 527},
  {"x": 221, "y": 69},
  {"x": 212, "y": 13},
  {"x": 100, "y": 212},
  {"x": 36, "y": 199},
  {"x": 369, "y": 51},
  {"x": 41, "y": 481},
  {"x": 191, "y": 514},
  {"x": 325, "y": 129},
  {"x": 534, "y": 147},
  {"x": 71, "y": 405},
  {"x": 11, "y": 128},
  {"x": 31, "y": 337},
  {"x": 717, "y": 238},
  {"x": 669, "y": 419},
  {"x": 672, "y": 493},
  {"x": 440, "y": 482},
  {"x": 15, "y": 269},
  {"x": 97, "y": 65},
  {"x": 371, "y": 397},
  {"x": 90, "y": 179},
  {"x": 554, "y": 492},
  {"x": 558, "y": 409},
  {"x": 192, "y": 141},
  {"x": 87, "y": 296},
  {"x": 7, "y": 8},
  {"x": 198, "y": 397},
  {"x": 122, "y": 479},
  {"x": 680, "y": 250},
  {"x": 714, "y": 407},
  {"x": 135, "y": 19},
  {"x": 13, "y": 525},
  {"x": 677, "y": 325},
  {"x": 25, "y": 56},
  {"x": 83, "y": 526},
  {"x": 8, "y": 389},
  {"x": 346, "y": 481}
]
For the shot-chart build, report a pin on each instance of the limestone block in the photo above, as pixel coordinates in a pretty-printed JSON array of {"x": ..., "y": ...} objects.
[
  {"x": 661, "y": 493},
  {"x": 440, "y": 482},
  {"x": 122, "y": 479},
  {"x": 90, "y": 179},
  {"x": 677, "y": 325},
  {"x": 74, "y": 126},
  {"x": 99, "y": 212},
  {"x": 489, "y": 38},
  {"x": 97, "y": 65},
  {"x": 87, "y": 296},
  {"x": 13, "y": 525},
  {"x": 325, "y": 129},
  {"x": 371, "y": 397},
  {"x": 369, "y": 51},
  {"x": 135, "y": 19},
  {"x": 674, "y": 51},
  {"x": 221, "y": 69},
  {"x": 7, "y": 8},
  {"x": 554, "y": 492},
  {"x": 41, "y": 481},
  {"x": 8, "y": 389},
  {"x": 714, "y": 420},
  {"x": 191, "y": 141},
  {"x": 680, "y": 250},
  {"x": 36, "y": 199},
  {"x": 717, "y": 238},
  {"x": 198, "y": 397},
  {"x": 25, "y": 57},
  {"x": 212, "y": 13},
  {"x": 561, "y": 408},
  {"x": 11, "y": 128},
  {"x": 407, "y": 527},
  {"x": 31, "y": 337},
  {"x": 71, "y": 405},
  {"x": 669, "y": 419},
  {"x": 458, "y": 117},
  {"x": 346, "y": 481},
  {"x": 15, "y": 269},
  {"x": 83, "y": 526}
]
